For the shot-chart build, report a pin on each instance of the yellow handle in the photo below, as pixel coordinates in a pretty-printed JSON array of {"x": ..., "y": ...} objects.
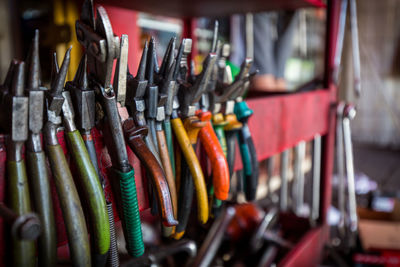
[{"x": 195, "y": 169}]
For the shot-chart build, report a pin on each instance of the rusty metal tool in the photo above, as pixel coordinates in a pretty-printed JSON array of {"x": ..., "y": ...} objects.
[
  {"x": 213, "y": 239},
  {"x": 89, "y": 182},
  {"x": 14, "y": 121},
  {"x": 23, "y": 227},
  {"x": 78, "y": 239},
  {"x": 135, "y": 135},
  {"x": 39, "y": 178},
  {"x": 102, "y": 48}
]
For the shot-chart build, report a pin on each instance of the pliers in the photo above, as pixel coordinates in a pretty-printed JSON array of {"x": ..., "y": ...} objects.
[
  {"x": 67, "y": 194},
  {"x": 186, "y": 133},
  {"x": 36, "y": 158},
  {"x": 135, "y": 130},
  {"x": 102, "y": 47},
  {"x": 14, "y": 121},
  {"x": 89, "y": 180}
]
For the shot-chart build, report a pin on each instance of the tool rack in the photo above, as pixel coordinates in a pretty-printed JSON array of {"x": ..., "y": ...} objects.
[{"x": 286, "y": 118}]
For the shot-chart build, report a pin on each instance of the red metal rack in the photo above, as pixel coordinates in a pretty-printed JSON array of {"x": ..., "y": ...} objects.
[{"x": 286, "y": 119}]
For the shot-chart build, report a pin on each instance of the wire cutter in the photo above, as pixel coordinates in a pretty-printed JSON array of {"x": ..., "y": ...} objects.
[{"x": 102, "y": 47}]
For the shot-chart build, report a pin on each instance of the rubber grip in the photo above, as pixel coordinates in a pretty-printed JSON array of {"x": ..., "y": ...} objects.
[
  {"x": 170, "y": 143},
  {"x": 185, "y": 200},
  {"x": 219, "y": 164},
  {"x": 23, "y": 252},
  {"x": 92, "y": 193},
  {"x": 250, "y": 162},
  {"x": 194, "y": 167},
  {"x": 78, "y": 240},
  {"x": 164, "y": 155},
  {"x": 134, "y": 136},
  {"x": 230, "y": 137},
  {"x": 130, "y": 210},
  {"x": 40, "y": 185}
]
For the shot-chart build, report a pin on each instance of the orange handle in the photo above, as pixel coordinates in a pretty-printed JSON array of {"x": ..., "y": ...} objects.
[{"x": 215, "y": 153}]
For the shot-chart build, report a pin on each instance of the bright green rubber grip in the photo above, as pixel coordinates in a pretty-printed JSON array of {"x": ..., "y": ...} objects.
[
  {"x": 23, "y": 252},
  {"x": 92, "y": 192},
  {"x": 220, "y": 133},
  {"x": 78, "y": 240},
  {"x": 170, "y": 144},
  {"x": 130, "y": 209}
]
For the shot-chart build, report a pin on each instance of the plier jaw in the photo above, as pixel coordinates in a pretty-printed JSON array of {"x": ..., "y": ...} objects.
[{"x": 83, "y": 97}]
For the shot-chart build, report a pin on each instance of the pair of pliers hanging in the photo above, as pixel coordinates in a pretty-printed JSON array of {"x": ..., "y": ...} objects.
[
  {"x": 74, "y": 219},
  {"x": 220, "y": 182},
  {"x": 246, "y": 143},
  {"x": 102, "y": 48},
  {"x": 189, "y": 95},
  {"x": 136, "y": 130},
  {"x": 36, "y": 159},
  {"x": 89, "y": 180},
  {"x": 14, "y": 121},
  {"x": 83, "y": 101}
]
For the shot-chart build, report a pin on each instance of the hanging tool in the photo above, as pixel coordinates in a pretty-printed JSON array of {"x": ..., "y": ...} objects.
[
  {"x": 316, "y": 180},
  {"x": 186, "y": 135},
  {"x": 23, "y": 227},
  {"x": 298, "y": 178},
  {"x": 89, "y": 183},
  {"x": 14, "y": 121},
  {"x": 102, "y": 48},
  {"x": 83, "y": 100},
  {"x": 37, "y": 167},
  {"x": 341, "y": 170},
  {"x": 283, "y": 196},
  {"x": 213, "y": 239},
  {"x": 135, "y": 136},
  {"x": 78, "y": 240}
]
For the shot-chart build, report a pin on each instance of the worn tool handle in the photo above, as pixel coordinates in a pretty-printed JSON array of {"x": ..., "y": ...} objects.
[
  {"x": 135, "y": 136},
  {"x": 215, "y": 153},
  {"x": 230, "y": 137},
  {"x": 166, "y": 162},
  {"x": 23, "y": 252},
  {"x": 40, "y": 184},
  {"x": 219, "y": 124},
  {"x": 130, "y": 212},
  {"x": 185, "y": 200},
  {"x": 94, "y": 197},
  {"x": 74, "y": 219},
  {"x": 250, "y": 162},
  {"x": 194, "y": 167},
  {"x": 170, "y": 144}
]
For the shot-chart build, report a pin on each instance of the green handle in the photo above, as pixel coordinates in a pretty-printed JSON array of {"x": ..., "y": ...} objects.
[
  {"x": 219, "y": 131},
  {"x": 170, "y": 144},
  {"x": 130, "y": 210},
  {"x": 74, "y": 219},
  {"x": 23, "y": 252},
  {"x": 93, "y": 194},
  {"x": 40, "y": 184}
]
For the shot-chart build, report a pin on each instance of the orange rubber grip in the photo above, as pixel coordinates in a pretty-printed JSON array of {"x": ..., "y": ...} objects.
[{"x": 215, "y": 153}]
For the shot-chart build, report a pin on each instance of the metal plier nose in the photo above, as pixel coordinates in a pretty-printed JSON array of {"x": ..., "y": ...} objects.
[{"x": 102, "y": 47}]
